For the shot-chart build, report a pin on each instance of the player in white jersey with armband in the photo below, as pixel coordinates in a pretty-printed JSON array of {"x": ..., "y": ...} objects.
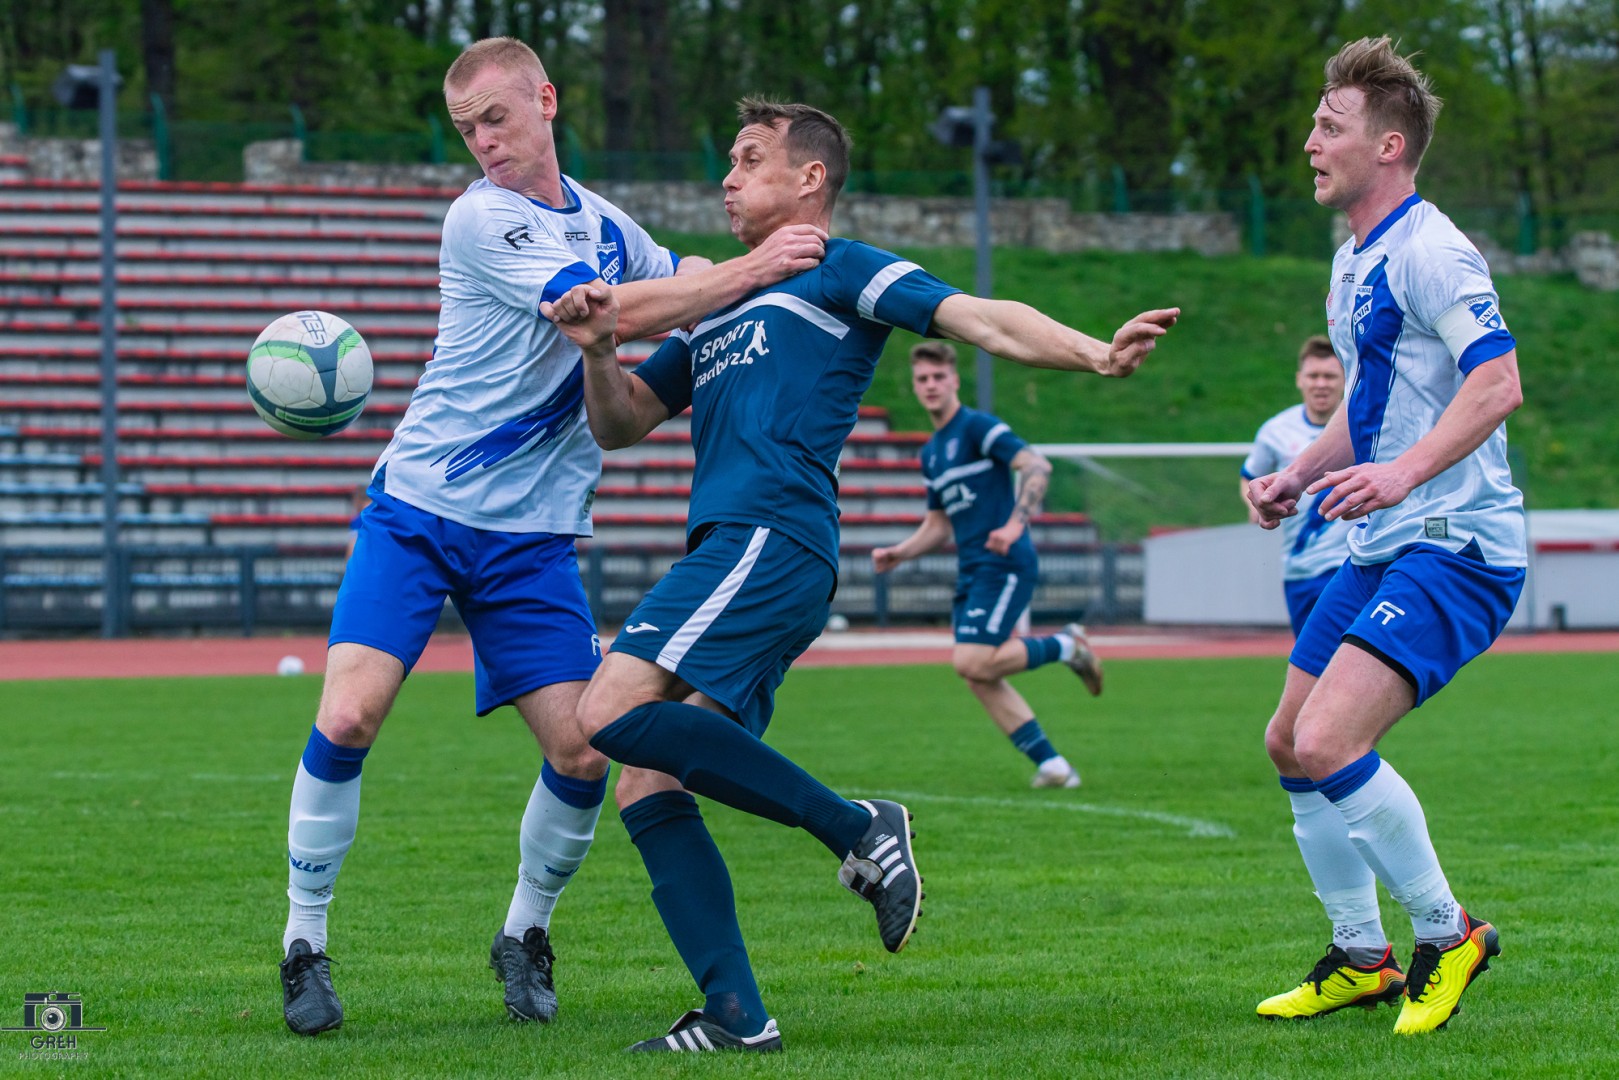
[
  {"x": 1416, "y": 458},
  {"x": 479, "y": 498}
]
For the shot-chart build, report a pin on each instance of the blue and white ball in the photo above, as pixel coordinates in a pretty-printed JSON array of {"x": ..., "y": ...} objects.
[{"x": 309, "y": 374}]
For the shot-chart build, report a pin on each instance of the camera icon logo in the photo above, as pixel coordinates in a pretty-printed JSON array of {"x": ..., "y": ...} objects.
[{"x": 52, "y": 1012}]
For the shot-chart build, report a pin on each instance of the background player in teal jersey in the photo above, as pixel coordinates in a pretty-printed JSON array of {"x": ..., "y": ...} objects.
[
  {"x": 984, "y": 484},
  {"x": 478, "y": 498},
  {"x": 1313, "y": 548},
  {"x": 774, "y": 384}
]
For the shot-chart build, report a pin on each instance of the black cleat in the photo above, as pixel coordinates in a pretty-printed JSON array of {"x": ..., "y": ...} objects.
[
  {"x": 308, "y": 1000},
  {"x": 694, "y": 1031},
  {"x": 525, "y": 967},
  {"x": 882, "y": 869}
]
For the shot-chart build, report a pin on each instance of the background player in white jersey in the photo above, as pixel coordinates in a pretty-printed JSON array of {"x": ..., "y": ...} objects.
[
  {"x": 1416, "y": 458},
  {"x": 479, "y": 497},
  {"x": 984, "y": 484},
  {"x": 1312, "y": 547},
  {"x": 774, "y": 385}
]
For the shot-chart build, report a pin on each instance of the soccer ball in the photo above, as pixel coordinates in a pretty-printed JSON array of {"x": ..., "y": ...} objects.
[{"x": 308, "y": 374}]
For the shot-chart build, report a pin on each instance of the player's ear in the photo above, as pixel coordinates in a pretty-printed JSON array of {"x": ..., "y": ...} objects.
[
  {"x": 1392, "y": 148},
  {"x": 811, "y": 178}
]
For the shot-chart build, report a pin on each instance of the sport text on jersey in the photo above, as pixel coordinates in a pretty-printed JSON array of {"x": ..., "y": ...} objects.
[{"x": 755, "y": 347}]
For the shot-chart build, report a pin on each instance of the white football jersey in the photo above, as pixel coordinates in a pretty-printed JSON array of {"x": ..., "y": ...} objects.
[
  {"x": 1410, "y": 313},
  {"x": 1311, "y": 545},
  {"x": 495, "y": 434}
]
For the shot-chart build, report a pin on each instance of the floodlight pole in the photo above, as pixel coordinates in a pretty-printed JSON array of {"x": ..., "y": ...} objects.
[
  {"x": 982, "y": 121},
  {"x": 112, "y": 594}
]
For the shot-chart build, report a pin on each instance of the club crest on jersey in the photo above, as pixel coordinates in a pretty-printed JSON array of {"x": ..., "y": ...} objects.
[
  {"x": 1485, "y": 313},
  {"x": 611, "y": 263},
  {"x": 1363, "y": 308},
  {"x": 950, "y": 449}
]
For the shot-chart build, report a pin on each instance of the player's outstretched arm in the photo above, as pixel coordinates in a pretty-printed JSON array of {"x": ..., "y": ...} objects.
[
  {"x": 1023, "y": 335},
  {"x": 930, "y": 535},
  {"x": 1490, "y": 393},
  {"x": 651, "y": 307},
  {"x": 620, "y": 408}
]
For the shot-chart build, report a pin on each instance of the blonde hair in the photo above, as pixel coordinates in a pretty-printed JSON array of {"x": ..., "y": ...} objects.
[
  {"x": 506, "y": 53},
  {"x": 1398, "y": 96}
]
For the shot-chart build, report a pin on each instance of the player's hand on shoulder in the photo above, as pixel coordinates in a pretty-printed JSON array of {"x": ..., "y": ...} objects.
[
  {"x": 791, "y": 249},
  {"x": 1136, "y": 338},
  {"x": 587, "y": 314}
]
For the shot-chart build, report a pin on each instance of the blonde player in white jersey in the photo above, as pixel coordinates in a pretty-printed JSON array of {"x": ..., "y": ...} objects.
[
  {"x": 1313, "y": 548},
  {"x": 479, "y": 498},
  {"x": 1416, "y": 460}
]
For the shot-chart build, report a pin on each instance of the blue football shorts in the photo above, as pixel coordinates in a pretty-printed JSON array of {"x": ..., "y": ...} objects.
[
  {"x": 1425, "y": 613},
  {"x": 519, "y": 595},
  {"x": 989, "y": 600},
  {"x": 730, "y": 618},
  {"x": 1301, "y": 597}
]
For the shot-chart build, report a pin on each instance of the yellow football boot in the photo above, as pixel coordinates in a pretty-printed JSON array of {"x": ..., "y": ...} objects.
[
  {"x": 1438, "y": 977},
  {"x": 1335, "y": 984}
]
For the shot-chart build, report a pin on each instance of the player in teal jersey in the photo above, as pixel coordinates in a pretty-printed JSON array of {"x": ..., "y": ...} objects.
[
  {"x": 774, "y": 383},
  {"x": 983, "y": 485}
]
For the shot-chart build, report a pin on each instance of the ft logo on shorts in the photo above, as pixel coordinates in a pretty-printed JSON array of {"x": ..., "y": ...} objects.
[{"x": 1388, "y": 612}]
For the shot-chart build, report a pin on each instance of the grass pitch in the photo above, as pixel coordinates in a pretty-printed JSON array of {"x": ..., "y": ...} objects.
[{"x": 1124, "y": 929}]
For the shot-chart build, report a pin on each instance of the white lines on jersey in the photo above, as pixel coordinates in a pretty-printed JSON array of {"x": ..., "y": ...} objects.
[
  {"x": 950, "y": 476},
  {"x": 879, "y": 283},
  {"x": 800, "y": 307},
  {"x": 990, "y": 436},
  {"x": 1193, "y": 827}
]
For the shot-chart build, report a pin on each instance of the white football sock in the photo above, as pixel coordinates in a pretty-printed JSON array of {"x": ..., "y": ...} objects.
[
  {"x": 1065, "y": 647},
  {"x": 320, "y": 831},
  {"x": 1343, "y": 882},
  {"x": 554, "y": 840},
  {"x": 1389, "y": 830}
]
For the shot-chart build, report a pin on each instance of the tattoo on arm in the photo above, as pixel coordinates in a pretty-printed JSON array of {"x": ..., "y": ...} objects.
[{"x": 1033, "y": 479}]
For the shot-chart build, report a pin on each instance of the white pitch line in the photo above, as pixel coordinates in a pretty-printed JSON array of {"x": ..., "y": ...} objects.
[{"x": 1195, "y": 827}]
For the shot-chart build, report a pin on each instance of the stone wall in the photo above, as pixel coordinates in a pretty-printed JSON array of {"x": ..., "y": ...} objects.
[
  {"x": 885, "y": 220},
  {"x": 78, "y": 159},
  {"x": 1596, "y": 260}
]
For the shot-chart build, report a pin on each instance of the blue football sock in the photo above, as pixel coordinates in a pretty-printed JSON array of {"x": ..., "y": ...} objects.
[
  {"x": 1042, "y": 650},
  {"x": 692, "y": 891},
  {"x": 715, "y": 757},
  {"x": 1031, "y": 739}
]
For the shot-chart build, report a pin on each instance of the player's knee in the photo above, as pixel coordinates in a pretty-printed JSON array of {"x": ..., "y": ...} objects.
[
  {"x": 348, "y": 723},
  {"x": 577, "y": 759},
  {"x": 599, "y": 706},
  {"x": 972, "y": 667},
  {"x": 1279, "y": 744},
  {"x": 1320, "y": 749}
]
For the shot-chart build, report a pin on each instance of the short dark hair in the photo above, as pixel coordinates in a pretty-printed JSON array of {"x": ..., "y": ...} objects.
[
  {"x": 1317, "y": 345},
  {"x": 934, "y": 352},
  {"x": 812, "y": 135},
  {"x": 1398, "y": 96}
]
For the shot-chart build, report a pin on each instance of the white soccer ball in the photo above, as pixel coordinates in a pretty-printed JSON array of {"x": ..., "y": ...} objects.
[
  {"x": 290, "y": 665},
  {"x": 309, "y": 374},
  {"x": 836, "y": 623}
]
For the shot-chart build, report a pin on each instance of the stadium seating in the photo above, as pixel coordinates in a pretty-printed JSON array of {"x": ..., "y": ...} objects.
[{"x": 201, "y": 269}]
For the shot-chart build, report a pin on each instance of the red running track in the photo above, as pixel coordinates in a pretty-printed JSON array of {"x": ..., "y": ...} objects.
[{"x": 71, "y": 659}]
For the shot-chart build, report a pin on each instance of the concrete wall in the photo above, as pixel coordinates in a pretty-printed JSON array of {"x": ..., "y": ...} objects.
[{"x": 1231, "y": 575}]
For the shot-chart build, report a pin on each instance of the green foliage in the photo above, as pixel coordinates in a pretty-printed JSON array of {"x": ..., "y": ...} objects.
[
  {"x": 1179, "y": 97},
  {"x": 1125, "y": 929}
]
